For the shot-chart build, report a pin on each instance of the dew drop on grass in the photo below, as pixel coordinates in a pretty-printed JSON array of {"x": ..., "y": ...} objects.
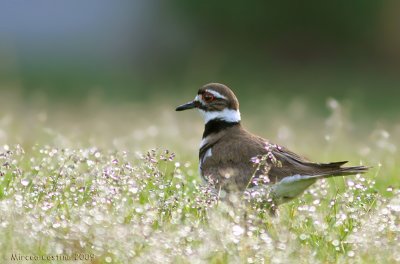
[
  {"x": 335, "y": 242},
  {"x": 265, "y": 237},
  {"x": 281, "y": 246},
  {"x": 303, "y": 237},
  {"x": 332, "y": 103},
  {"x": 108, "y": 259}
]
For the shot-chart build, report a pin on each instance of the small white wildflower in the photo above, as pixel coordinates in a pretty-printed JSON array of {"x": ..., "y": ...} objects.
[
  {"x": 395, "y": 208},
  {"x": 25, "y": 182},
  {"x": 237, "y": 230},
  {"x": 133, "y": 190}
]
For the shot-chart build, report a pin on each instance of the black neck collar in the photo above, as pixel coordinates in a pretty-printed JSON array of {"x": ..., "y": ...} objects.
[{"x": 217, "y": 125}]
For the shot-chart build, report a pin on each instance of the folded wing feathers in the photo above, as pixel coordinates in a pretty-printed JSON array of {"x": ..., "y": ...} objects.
[{"x": 301, "y": 166}]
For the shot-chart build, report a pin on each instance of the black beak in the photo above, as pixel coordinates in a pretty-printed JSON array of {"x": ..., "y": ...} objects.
[{"x": 186, "y": 106}]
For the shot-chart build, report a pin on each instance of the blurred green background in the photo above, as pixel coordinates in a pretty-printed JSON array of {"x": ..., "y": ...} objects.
[{"x": 144, "y": 51}]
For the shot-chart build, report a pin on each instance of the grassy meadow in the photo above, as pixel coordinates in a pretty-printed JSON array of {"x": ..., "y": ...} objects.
[{"x": 118, "y": 183}]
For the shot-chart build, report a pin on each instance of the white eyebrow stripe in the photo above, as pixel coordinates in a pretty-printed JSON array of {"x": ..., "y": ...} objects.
[{"x": 216, "y": 94}]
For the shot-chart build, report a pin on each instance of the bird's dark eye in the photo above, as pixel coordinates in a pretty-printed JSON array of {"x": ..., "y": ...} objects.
[{"x": 207, "y": 97}]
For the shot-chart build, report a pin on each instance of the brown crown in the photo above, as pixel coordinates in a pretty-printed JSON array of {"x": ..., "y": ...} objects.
[{"x": 224, "y": 90}]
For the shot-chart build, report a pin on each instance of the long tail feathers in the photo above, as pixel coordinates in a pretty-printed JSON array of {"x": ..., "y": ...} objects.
[{"x": 335, "y": 169}]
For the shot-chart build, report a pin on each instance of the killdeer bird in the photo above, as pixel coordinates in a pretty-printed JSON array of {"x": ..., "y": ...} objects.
[{"x": 233, "y": 159}]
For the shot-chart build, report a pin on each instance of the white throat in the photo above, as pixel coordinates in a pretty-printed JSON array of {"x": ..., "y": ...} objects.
[{"x": 228, "y": 115}]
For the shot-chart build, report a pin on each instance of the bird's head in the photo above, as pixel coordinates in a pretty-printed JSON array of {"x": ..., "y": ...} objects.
[{"x": 215, "y": 101}]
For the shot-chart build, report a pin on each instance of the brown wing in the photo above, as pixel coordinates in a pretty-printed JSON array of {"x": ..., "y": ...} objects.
[{"x": 230, "y": 164}]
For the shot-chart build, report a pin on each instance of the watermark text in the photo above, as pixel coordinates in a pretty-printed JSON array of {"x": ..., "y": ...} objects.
[{"x": 55, "y": 257}]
